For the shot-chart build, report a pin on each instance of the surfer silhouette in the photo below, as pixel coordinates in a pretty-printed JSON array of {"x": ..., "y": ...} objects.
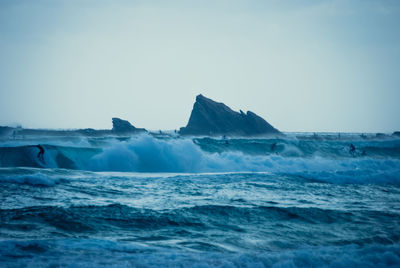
[
  {"x": 225, "y": 139},
  {"x": 41, "y": 152},
  {"x": 273, "y": 147},
  {"x": 352, "y": 149}
]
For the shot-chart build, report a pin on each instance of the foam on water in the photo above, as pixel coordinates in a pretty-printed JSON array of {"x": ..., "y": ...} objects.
[
  {"x": 145, "y": 153},
  {"x": 146, "y": 201}
]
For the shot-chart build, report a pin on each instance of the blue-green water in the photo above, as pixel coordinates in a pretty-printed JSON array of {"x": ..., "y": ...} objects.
[{"x": 172, "y": 202}]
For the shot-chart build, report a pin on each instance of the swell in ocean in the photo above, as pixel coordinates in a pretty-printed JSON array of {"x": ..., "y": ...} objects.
[
  {"x": 331, "y": 160},
  {"x": 146, "y": 201}
]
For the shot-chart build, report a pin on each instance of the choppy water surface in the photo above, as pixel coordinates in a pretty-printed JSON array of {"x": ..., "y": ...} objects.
[{"x": 172, "y": 202}]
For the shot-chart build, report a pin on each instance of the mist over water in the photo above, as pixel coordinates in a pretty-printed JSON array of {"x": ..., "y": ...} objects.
[{"x": 152, "y": 201}]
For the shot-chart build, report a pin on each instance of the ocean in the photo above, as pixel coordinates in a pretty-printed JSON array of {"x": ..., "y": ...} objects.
[{"x": 303, "y": 200}]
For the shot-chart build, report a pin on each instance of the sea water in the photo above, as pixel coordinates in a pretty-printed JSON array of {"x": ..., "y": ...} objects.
[{"x": 166, "y": 201}]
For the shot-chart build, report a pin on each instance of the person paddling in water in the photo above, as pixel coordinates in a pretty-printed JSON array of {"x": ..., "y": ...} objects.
[{"x": 41, "y": 152}]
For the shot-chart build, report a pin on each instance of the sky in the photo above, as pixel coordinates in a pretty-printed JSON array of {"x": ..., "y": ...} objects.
[{"x": 311, "y": 65}]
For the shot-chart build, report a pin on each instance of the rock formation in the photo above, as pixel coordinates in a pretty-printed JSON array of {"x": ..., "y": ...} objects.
[
  {"x": 123, "y": 126},
  {"x": 213, "y": 118},
  {"x": 120, "y": 127}
]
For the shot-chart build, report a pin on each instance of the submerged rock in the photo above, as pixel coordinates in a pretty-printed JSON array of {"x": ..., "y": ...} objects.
[
  {"x": 213, "y": 118},
  {"x": 123, "y": 126}
]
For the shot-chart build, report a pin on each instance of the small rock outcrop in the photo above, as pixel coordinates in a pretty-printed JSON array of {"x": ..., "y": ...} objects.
[
  {"x": 123, "y": 126},
  {"x": 396, "y": 134},
  {"x": 213, "y": 118}
]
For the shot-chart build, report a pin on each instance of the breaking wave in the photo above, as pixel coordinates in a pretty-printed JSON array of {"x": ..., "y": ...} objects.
[{"x": 323, "y": 161}]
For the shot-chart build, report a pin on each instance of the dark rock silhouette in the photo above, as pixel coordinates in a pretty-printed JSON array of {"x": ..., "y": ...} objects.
[
  {"x": 213, "y": 118},
  {"x": 123, "y": 126},
  {"x": 120, "y": 127},
  {"x": 380, "y": 135},
  {"x": 396, "y": 133}
]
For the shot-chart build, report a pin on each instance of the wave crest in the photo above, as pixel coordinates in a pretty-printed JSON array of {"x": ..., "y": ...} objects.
[{"x": 148, "y": 154}]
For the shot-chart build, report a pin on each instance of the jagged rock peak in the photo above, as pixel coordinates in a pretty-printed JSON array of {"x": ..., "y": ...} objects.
[
  {"x": 215, "y": 118},
  {"x": 120, "y": 125}
]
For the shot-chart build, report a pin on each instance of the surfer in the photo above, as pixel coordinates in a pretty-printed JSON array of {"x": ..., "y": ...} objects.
[
  {"x": 41, "y": 152},
  {"x": 225, "y": 139},
  {"x": 352, "y": 149},
  {"x": 273, "y": 146}
]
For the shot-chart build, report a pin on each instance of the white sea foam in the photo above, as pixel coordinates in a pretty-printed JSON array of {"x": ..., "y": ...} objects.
[
  {"x": 146, "y": 154},
  {"x": 37, "y": 179}
]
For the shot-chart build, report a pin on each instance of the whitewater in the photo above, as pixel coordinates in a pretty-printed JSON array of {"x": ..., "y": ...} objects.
[{"x": 302, "y": 200}]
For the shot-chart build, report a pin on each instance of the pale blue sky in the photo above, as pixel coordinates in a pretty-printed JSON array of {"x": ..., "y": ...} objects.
[{"x": 316, "y": 65}]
